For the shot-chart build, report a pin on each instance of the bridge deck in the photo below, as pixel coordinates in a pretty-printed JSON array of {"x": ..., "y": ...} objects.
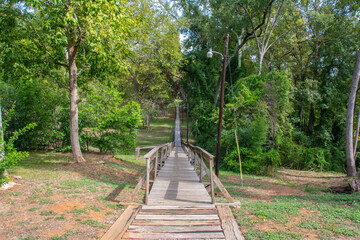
[{"x": 178, "y": 184}]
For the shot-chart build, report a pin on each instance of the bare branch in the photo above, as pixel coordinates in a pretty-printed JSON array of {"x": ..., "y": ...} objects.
[
  {"x": 61, "y": 64},
  {"x": 82, "y": 99}
]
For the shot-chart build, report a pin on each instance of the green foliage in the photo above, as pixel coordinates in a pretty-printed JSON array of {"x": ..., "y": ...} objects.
[
  {"x": 262, "y": 107},
  {"x": 110, "y": 121},
  {"x": 12, "y": 156}
]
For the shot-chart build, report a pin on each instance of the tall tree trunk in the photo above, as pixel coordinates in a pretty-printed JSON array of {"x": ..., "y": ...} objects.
[
  {"x": 311, "y": 119},
  {"x": 350, "y": 161},
  {"x": 301, "y": 117},
  {"x": 74, "y": 102},
  {"x": 2, "y": 143}
]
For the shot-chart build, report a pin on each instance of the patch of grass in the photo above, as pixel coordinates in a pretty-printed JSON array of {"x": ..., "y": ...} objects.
[
  {"x": 343, "y": 230},
  {"x": 310, "y": 225},
  {"x": 110, "y": 213},
  {"x": 94, "y": 208},
  {"x": 47, "y": 213},
  {"x": 114, "y": 206},
  {"x": 72, "y": 184},
  {"x": 101, "y": 198},
  {"x": 34, "y": 196},
  {"x": 33, "y": 209},
  {"x": 277, "y": 211},
  {"x": 79, "y": 210},
  {"x": 280, "y": 236},
  {"x": 16, "y": 193},
  {"x": 62, "y": 217},
  {"x": 92, "y": 189},
  {"x": 93, "y": 223},
  {"x": 30, "y": 238},
  {"x": 310, "y": 189},
  {"x": 23, "y": 223},
  {"x": 34, "y": 228},
  {"x": 46, "y": 201}
]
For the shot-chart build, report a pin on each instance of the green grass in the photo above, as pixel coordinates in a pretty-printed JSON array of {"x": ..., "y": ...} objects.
[
  {"x": 114, "y": 206},
  {"x": 46, "y": 201},
  {"x": 47, "y": 213},
  {"x": 327, "y": 215},
  {"x": 93, "y": 223},
  {"x": 310, "y": 225},
  {"x": 33, "y": 209}
]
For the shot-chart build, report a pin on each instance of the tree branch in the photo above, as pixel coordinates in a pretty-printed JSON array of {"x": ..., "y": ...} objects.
[{"x": 56, "y": 80}]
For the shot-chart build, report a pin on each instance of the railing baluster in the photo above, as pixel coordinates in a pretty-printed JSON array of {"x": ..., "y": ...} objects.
[
  {"x": 147, "y": 188},
  {"x": 156, "y": 165},
  {"x": 201, "y": 161},
  {"x": 211, "y": 163}
]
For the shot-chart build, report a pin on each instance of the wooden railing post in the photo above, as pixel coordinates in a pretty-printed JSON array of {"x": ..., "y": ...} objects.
[
  {"x": 137, "y": 153},
  {"x": 147, "y": 188},
  {"x": 201, "y": 161},
  {"x": 211, "y": 164},
  {"x": 156, "y": 165}
]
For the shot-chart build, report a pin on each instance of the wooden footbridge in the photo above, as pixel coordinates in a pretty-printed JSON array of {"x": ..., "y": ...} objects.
[{"x": 178, "y": 206}]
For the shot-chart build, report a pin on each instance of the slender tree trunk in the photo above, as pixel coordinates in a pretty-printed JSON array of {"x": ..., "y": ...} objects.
[
  {"x": 350, "y": 161},
  {"x": 301, "y": 117},
  {"x": 311, "y": 119},
  {"x": 357, "y": 134},
  {"x": 240, "y": 50},
  {"x": 148, "y": 120},
  {"x": 261, "y": 58},
  {"x": 74, "y": 102},
  {"x": 2, "y": 144}
]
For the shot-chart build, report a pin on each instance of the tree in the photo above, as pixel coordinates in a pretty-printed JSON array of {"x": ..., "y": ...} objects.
[
  {"x": 155, "y": 59},
  {"x": 263, "y": 45},
  {"x": 2, "y": 144},
  {"x": 78, "y": 41},
  {"x": 350, "y": 160}
]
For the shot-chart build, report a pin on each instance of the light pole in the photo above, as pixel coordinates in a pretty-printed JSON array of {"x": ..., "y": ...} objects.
[{"x": 223, "y": 74}]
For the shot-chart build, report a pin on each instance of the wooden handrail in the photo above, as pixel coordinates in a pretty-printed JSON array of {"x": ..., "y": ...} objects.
[
  {"x": 139, "y": 148},
  {"x": 192, "y": 152},
  {"x": 158, "y": 153}
]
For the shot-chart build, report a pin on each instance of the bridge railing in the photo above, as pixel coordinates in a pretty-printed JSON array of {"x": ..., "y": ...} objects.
[
  {"x": 155, "y": 160},
  {"x": 196, "y": 157}
]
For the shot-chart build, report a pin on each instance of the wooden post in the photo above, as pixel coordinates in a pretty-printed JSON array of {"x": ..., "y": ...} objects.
[
  {"x": 137, "y": 153},
  {"x": 201, "y": 161},
  {"x": 187, "y": 124},
  {"x": 217, "y": 158},
  {"x": 147, "y": 180},
  {"x": 211, "y": 163},
  {"x": 156, "y": 165}
]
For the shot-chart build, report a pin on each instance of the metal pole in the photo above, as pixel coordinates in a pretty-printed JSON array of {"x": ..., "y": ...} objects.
[{"x": 217, "y": 162}]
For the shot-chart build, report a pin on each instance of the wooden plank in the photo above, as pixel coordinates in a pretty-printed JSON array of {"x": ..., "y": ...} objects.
[
  {"x": 177, "y": 211},
  {"x": 179, "y": 207},
  {"x": 228, "y": 223},
  {"x": 142, "y": 222},
  {"x": 179, "y": 217},
  {"x": 118, "y": 229},
  {"x": 168, "y": 229},
  {"x": 192, "y": 235}
]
